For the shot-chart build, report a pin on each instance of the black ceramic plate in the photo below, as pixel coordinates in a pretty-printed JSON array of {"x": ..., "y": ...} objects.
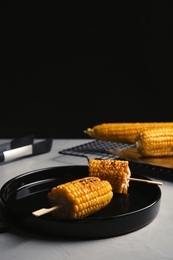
[{"x": 126, "y": 213}]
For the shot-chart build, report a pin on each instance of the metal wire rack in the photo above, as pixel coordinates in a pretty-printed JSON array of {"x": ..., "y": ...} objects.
[{"x": 96, "y": 148}]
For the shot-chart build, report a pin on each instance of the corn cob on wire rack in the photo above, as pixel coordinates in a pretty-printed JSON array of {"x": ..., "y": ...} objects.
[{"x": 98, "y": 149}]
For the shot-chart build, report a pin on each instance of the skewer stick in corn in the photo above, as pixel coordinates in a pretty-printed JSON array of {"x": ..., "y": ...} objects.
[
  {"x": 155, "y": 142},
  {"x": 43, "y": 211},
  {"x": 117, "y": 172},
  {"x": 125, "y": 132},
  {"x": 78, "y": 199}
]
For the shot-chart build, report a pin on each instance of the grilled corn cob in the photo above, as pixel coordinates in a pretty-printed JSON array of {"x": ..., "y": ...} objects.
[
  {"x": 117, "y": 172},
  {"x": 123, "y": 132},
  {"x": 156, "y": 142},
  {"x": 80, "y": 198}
]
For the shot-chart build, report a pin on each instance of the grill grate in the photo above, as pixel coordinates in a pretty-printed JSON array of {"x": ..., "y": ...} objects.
[{"x": 96, "y": 148}]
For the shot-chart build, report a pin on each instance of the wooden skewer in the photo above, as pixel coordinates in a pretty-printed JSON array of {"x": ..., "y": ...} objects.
[
  {"x": 43, "y": 211},
  {"x": 147, "y": 181}
]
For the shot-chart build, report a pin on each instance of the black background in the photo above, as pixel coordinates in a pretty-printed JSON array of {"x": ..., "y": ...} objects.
[{"x": 66, "y": 67}]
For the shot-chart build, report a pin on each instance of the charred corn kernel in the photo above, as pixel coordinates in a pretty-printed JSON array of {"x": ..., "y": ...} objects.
[
  {"x": 80, "y": 198},
  {"x": 156, "y": 142},
  {"x": 117, "y": 172},
  {"x": 123, "y": 132}
]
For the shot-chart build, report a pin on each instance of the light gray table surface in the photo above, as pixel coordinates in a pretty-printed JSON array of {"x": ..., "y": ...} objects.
[{"x": 154, "y": 241}]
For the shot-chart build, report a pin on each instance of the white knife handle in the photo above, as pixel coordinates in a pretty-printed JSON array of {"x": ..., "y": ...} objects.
[{"x": 17, "y": 153}]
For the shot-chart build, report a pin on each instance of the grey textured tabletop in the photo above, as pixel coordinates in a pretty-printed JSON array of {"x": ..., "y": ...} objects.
[{"x": 150, "y": 242}]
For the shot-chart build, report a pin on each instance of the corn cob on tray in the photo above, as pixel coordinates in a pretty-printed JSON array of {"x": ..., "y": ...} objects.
[
  {"x": 125, "y": 212},
  {"x": 155, "y": 142},
  {"x": 125, "y": 132}
]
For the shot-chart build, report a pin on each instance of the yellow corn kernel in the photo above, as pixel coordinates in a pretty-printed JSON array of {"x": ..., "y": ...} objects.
[
  {"x": 80, "y": 198},
  {"x": 117, "y": 172},
  {"x": 123, "y": 132},
  {"x": 156, "y": 142}
]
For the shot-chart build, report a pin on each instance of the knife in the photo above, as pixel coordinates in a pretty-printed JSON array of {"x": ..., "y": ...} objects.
[
  {"x": 26, "y": 150},
  {"x": 17, "y": 142}
]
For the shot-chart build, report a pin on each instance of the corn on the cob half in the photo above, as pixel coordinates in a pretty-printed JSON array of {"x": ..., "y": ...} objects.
[
  {"x": 123, "y": 132},
  {"x": 117, "y": 172},
  {"x": 80, "y": 198},
  {"x": 156, "y": 142}
]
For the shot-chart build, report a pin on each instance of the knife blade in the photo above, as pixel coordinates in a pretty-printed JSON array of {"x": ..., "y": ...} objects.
[
  {"x": 17, "y": 142},
  {"x": 25, "y": 151},
  {"x": 131, "y": 154}
]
